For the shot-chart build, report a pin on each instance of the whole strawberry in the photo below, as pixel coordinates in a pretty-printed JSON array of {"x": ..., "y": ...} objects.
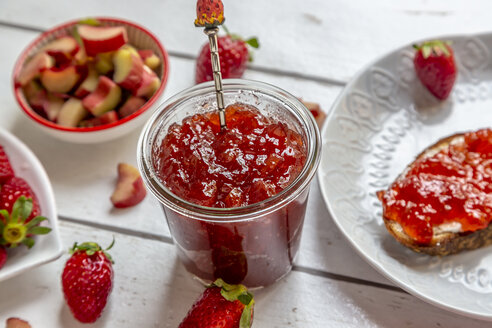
[
  {"x": 87, "y": 281},
  {"x": 435, "y": 67},
  {"x": 221, "y": 306},
  {"x": 12, "y": 190},
  {"x": 234, "y": 56}
]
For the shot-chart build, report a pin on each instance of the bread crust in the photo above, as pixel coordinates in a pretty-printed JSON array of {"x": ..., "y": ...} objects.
[{"x": 443, "y": 243}]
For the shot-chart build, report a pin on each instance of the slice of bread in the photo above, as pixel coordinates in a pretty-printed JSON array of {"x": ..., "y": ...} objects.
[{"x": 443, "y": 242}]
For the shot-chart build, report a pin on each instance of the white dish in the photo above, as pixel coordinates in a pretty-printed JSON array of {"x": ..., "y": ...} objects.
[
  {"x": 48, "y": 247},
  {"x": 377, "y": 126}
]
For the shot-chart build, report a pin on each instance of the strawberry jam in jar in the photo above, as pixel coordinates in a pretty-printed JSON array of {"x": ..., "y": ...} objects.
[{"x": 234, "y": 198}]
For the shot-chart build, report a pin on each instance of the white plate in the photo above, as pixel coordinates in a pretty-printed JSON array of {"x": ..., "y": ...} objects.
[
  {"x": 48, "y": 247},
  {"x": 377, "y": 126}
]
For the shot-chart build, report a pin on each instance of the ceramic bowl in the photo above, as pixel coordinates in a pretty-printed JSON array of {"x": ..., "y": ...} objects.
[
  {"x": 139, "y": 37},
  {"x": 48, "y": 247}
]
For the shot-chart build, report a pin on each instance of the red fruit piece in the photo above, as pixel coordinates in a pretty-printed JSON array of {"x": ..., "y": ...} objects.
[
  {"x": 130, "y": 189},
  {"x": 318, "y": 114},
  {"x": 87, "y": 281},
  {"x": 209, "y": 13},
  {"x": 17, "y": 323},
  {"x": 3, "y": 256},
  {"x": 12, "y": 190},
  {"x": 234, "y": 56},
  {"x": 6, "y": 171},
  {"x": 221, "y": 306},
  {"x": 435, "y": 67}
]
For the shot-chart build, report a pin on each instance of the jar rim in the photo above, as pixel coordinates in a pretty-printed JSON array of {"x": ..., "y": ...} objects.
[{"x": 235, "y": 214}]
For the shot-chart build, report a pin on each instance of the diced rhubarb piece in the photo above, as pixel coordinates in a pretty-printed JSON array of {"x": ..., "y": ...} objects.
[
  {"x": 65, "y": 44},
  {"x": 128, "y": 69},
  {"x": 80, "y": 57},
  {"x": 150, "y": 83},
  {"x": 105, "y": 98},
  {"x": 104, "y": 62},
  {"x": 34, "y": 67},
  {"x": 89, "y": 84},
  {"x": 98, "y": 39},
  {"x": 106, "y": 118},
  {"x": 316, "y": 111},
  {"x": 17, "y": 323},
  {"x": 52, "y": 106},
  {"x": 62, "y": 80},
  {"x": 131, "y": 106},
  {"x": 130, "y": 189},
  {"x": 149, "y": 58},
  {"x": 31, "y": 90},
  {"x": 71, "y": 113},
  {"x": 62, "y": 49},
  {"x": 36, "y": 96}
]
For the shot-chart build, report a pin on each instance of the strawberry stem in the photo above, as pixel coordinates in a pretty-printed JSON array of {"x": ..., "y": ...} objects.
[
  {"x": 91, "y": 248},
  {"x": 237, "y": 293},
  {"x": 14, "y": 233},
  {"x": 14, "y": 228}
]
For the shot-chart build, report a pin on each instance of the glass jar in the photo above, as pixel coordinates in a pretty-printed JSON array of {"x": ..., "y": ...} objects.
[{"x": 255, "y": 244}]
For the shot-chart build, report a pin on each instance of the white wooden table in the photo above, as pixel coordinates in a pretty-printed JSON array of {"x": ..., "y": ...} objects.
[{"x": 311, "y": 48}]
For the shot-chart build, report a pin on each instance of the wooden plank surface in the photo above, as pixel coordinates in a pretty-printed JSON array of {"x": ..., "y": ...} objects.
[
  {"x": 310, "y": 48},
  {"x": 152, "y": 289},
  {"x": 326, "y": 39}
]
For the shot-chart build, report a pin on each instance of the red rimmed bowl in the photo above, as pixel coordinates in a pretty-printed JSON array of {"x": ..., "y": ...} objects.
[{"x": 140, "y": 38}]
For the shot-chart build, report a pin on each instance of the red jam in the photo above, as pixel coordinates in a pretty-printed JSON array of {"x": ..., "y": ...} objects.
[
  {"x": 253, "y": 159},
  {"x": 453, "y": 185}
]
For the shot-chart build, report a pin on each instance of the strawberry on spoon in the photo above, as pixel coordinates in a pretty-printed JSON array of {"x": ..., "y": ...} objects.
[{"x": 435, "y": 67}]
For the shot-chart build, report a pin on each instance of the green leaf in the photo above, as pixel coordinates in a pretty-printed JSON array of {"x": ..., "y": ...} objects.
[
  {"x": 5, "y": 214},
  {"x": 29, "y": 242},
  {"x": 226, "y": 29},
  {"x": 25, "y": 208},
  {"x": 245, "y": 321},
  {"x": 110, "y": 245},
  {"x": 253, "y": 42},
  {"x": 40, "y": 230},
  {"x": 16, "y": 209},
  {"x": 245, "y": 298},
  {"x": 90, "y": 21},
  {"x": 426, "y": 51},
  {"x": 35, "y": 221}
]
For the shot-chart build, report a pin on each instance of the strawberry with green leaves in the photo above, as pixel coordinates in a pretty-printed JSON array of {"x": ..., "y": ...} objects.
[
  {"x": 234, "y": 57},
  {"x": 18, "y": 225},
  {"x": 435, "y": 67},
  {"x": 87, "y": 280},
  {"x": 221, "y": 306}
]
